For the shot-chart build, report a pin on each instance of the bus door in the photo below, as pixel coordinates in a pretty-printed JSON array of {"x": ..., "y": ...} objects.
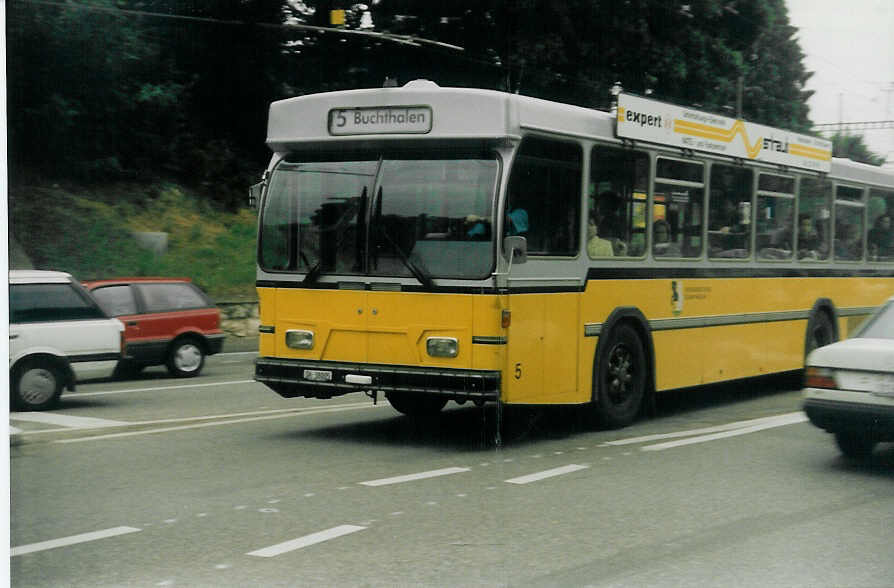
[
  {"x": 544, "y": 207},
  {"x": 542, "y": 348}
]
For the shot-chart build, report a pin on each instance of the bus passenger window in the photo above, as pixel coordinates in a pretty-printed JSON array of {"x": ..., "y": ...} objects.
[
  {"x": 544, "y": 196},
  {"x": 880, "y": 239},
  {"x": 775, "y": 216},
  {"x": 617, "y": 203},
  {"x": 679, "y": 201},
  {"x": 729, "y": 212},
  {"x": 849, "y": 231},
  {"x": 814, "y": 216}
]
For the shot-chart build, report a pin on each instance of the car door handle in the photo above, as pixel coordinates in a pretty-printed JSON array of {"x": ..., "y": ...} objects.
[
  {"x": 131, "y": 323},
  {"x": 13, "y": 335}
]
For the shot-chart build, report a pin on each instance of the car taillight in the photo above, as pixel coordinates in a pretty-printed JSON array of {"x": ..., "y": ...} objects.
[{"x": 817, "y": 377}]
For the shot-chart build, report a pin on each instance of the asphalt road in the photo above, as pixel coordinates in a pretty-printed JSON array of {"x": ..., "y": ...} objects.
[{"x": 217, "y": 481}]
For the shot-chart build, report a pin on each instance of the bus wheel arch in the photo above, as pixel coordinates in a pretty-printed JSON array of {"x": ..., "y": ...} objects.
[
  {"x": 822, "y": 325},
  {"x": 623, "y": 379}
]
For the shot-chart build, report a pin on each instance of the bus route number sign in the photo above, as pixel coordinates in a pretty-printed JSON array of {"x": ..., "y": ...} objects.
[{"x": 380, "y": 120}]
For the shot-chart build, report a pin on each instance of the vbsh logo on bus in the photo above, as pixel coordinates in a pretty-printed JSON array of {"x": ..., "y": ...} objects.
[
  {"x": 657, "y": 122},
  {"x": 380, "y": 120}
]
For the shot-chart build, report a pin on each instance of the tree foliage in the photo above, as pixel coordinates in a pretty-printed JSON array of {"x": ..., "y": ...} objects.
[
  {"x": 853, "y": 147},
  {"x": 143, "y": 89}
]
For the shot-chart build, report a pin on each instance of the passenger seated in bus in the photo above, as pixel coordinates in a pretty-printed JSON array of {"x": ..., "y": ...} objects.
[
  {"x": 727, "y": 230},
  {"x": 662, "y": 246},
  {"x": 810, "y": 242},
  {"x": 610, "y": 220},
  {"x": 478, "y": 228},
  {"x": 847, "y": 243},
  {"x": 516, "y": 222},
  {"x": 596, "y": 245},
  {"x": 880, "y": 239}
]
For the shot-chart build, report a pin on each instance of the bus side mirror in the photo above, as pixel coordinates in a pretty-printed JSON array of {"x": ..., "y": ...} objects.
[
  {"x": 254, "y": 194},
  {"x": 515, "y": 249}
]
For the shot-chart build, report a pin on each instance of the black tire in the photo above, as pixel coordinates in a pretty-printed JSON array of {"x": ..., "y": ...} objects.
[
  {"x": 36, "y": 385},
  {"x": 854, "y": 445},
  {"x": 127, "y": 369},
  {"x": 820, "y": 332},
  {"x": 620, "y": 377},
  {"x": 186, "y": 358},
  {"x": 416, "y": 405}
]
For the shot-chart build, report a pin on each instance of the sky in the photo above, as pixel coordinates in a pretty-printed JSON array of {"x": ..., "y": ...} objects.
[{"x": 849, "y": 45}]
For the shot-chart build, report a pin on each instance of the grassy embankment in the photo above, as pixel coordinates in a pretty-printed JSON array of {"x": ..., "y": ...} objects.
[{"x": 88, "y": 231}]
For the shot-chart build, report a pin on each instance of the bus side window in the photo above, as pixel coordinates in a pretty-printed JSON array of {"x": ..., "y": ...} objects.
[
  {"x": 880, "y": 237},
  {"x": 729, "y": 212},
  {"x": 775, "y": 216},
  {"x": 849, "y": 231},
  {"x": 544, "y": 196},
  {"x": 617, "y": 202},
  {"x": 814, "y": 219},
  {"x": 680, "y": 185}
]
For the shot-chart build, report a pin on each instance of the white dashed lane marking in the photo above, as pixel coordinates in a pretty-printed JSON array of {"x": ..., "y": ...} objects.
[
  {"x": 71, "y": 540},
  {"x": 535, "y": 477},
  {"x": 64, "y": 420},
  {"x": 306, "y": 540},
  {"x": 413, "y": 477}
]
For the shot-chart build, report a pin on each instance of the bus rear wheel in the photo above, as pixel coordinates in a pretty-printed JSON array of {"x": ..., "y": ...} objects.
[
  {"x": 416, "y": 405},
  {"x": 620, "y": 378}
]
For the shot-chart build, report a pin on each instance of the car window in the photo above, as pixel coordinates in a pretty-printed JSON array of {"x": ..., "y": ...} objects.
[
  {"x": 880, "y": 325},
  {"x": 35, "y": 303},
  {"x": 167, "y": 297},
  {"x": 116, "y": 300}
]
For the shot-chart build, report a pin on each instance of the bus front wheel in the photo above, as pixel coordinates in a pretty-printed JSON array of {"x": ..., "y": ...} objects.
[
  {"x": 620, "y": 377},
  {"x": 416, "y": 405}
]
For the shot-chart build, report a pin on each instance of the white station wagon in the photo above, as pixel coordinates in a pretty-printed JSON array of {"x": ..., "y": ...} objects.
[
  {"x": 849, "y": 386},
  {"x": 58, "y": 334}
]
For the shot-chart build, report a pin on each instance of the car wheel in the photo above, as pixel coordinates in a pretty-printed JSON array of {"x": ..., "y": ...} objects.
[
  {"x": 37, "y": 385},
  {"x": 854, "y": 445},
  {"x": 416, "y": 405},
  {"x": 186, "y": 358},
  {"x": 620, "y": 378}
]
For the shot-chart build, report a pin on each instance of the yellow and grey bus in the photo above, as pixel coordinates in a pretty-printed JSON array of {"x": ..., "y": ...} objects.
[{"x": 438, "y": 244}]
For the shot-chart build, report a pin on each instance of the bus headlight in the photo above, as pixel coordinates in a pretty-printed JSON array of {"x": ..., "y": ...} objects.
[
  {"x": 442, "y": 346},
  {"x": 300, "y": 339}
]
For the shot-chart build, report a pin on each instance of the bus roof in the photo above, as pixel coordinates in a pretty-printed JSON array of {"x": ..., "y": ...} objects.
[
  {"x": 422, "y": 107},
  {"x": 861, "y": 172}
]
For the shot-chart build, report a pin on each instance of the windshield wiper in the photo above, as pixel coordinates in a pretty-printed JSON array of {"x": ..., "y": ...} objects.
[{"x": 418, "y": 271}]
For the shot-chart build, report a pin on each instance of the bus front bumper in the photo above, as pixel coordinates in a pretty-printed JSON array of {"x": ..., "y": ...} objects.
[{"x": 324, "y": 379}]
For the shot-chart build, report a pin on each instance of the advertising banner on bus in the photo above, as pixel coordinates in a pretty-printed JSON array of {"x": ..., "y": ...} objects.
[{"x": 643, "y": 119}]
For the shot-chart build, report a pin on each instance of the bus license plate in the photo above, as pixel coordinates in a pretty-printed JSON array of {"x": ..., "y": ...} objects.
[{"x": 318, "y": 375}]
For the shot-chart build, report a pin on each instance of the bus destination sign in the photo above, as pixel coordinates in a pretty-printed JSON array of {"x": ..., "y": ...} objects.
[
  {"x": 658, "y": 122},
  {"x": 380, "y": 120}
]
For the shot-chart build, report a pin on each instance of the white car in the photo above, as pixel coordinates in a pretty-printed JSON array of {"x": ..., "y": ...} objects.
[
  {"x": 57, "y": 335},
  {"x": 849, "y": 386}
]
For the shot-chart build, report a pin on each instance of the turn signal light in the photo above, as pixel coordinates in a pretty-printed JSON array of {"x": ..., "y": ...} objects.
[
  {"x": 506, "y": 319},
  {"x": 817, "y": 377}
]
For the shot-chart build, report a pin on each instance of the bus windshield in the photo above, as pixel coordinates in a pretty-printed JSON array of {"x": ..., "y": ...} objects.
[{"x": 425, "y": 214}]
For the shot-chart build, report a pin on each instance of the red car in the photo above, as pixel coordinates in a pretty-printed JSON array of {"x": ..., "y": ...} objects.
[{"x": 167, "y": 321}]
